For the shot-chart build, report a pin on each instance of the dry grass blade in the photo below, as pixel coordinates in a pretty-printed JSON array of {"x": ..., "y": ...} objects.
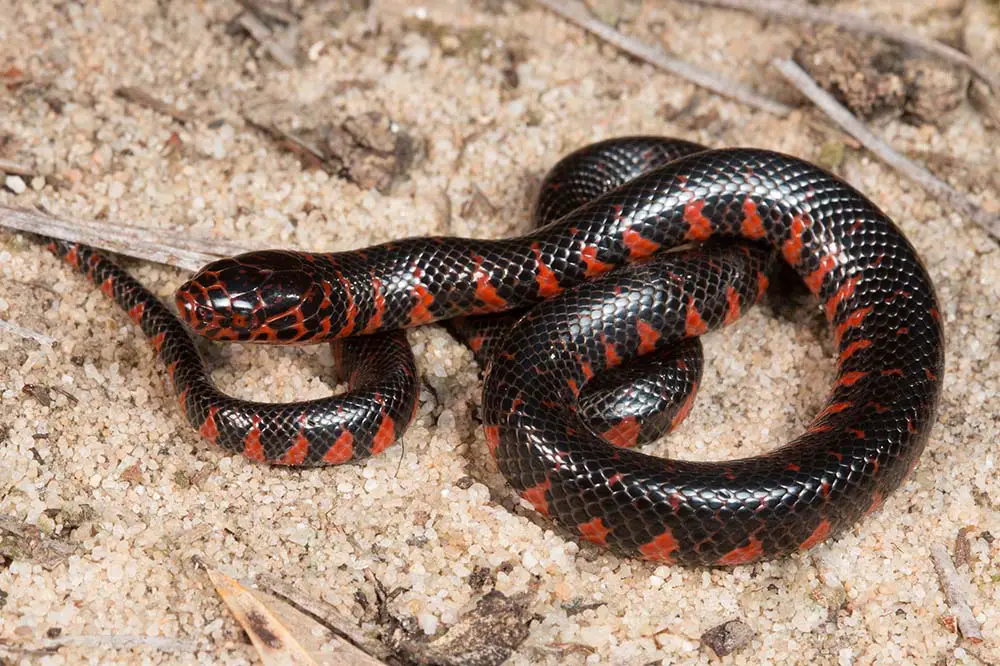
[
  {"x": 172, "y": 249},
  {"x": 26, "y": 333},
  {"x": 143, "y": 98},
  {"x": 896, "y": 33},
  {"x": 850, "y": 124},
  {"x": 951, "y": 583},
  {"x": 283, "y": 635},
  {"x": 656, "y": 57}
]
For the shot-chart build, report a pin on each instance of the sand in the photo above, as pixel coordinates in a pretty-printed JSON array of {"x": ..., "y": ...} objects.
[{"x": 110, "y": 499}]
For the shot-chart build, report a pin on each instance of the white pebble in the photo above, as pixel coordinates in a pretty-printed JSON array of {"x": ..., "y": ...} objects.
[
  {"x": 15, "y": 184},
  {"x": 116, "y": 190}
]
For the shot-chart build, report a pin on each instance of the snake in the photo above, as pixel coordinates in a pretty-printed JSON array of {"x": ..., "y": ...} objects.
[{"x": 643, "y": 244}]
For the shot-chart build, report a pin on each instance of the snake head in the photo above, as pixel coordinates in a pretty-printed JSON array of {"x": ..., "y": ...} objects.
[{"x": 256, "y": 297}]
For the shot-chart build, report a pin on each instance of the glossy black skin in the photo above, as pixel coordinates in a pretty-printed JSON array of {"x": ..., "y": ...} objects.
[{"x": 876, "y": 292}]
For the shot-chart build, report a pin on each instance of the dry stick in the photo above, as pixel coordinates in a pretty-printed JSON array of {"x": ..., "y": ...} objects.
[
  {"x": 896, "y": 33},
  {"x": 801, "y": 80},
  {"x": 143, "y": 98},
  {"x": 15, "y": 168},
  {"x": 27, "y": 333},
  {"x": 658, "y": 58},
  {"x": 181, "y": 251},
  {"x": 952, "y": 585}
]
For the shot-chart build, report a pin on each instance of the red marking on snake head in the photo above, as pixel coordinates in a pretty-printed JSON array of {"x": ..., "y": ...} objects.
[
  {"x": 661, "y": 548},
  {"x": 536, "y": 496},
  {"x": 594, "y": 531},
  {"x": 232, "y": 298},
  {"x": 819, "y": 534},
  {"x": 341, "y": 450},
  {"x": 743, "y": 554}
]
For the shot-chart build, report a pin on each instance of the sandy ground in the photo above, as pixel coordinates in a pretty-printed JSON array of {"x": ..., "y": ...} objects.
[{"x": 126, "y": 498}]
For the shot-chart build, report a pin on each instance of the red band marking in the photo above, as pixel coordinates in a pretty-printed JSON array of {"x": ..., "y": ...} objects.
[
  {"x": 385, "y": 436},
  {"x": 594, "y": 265},
  {"x": 638, "y": 247},
  {"x": 342, "y": 449},
  {"x": 846, "y": 291},
  {"x": 135, "y": 314},
  {"x": 421, "y": 314},
  {"x": 853, "y": 320},
  {"x": 486, "y": 292},
  {"x": 252, "y": 447},
  {"x": 157, "y": 341},
  {"x": 623, "y": 434},
  {"x": 611, "y": 357},
  {"x": 694, "y": 325},
  {"x": 492, "y": 438},
  {"x": 594, "y": 531},
  {"x": 853, "y": 347},
  {"x": 762, "y": 283},
  {"x": 744, "y": 554},
  {"x": 661, "y": 548},
  {"x": 536, "y": 496},
  {"x": 548, "y": 283},
  {"x": 733, "y": 307},
  {"x": 685, "y": 409},
  {"x": 815, "y": 279},
  {"x": 296, "y": 453},
  {"x": 833, "y": 408},
  {"x": 751, "y": 227},
  {"x": 818, "y": 535},
  {"x": 647, "y": 337},
  {"x": 208, "y": 429},
  {"x": 699, "y": 227},
  {"x": 376, "y": 320},
  {"x": 352, "y": 309},
  {"x": 850, "y": 378},
  {"x": 792, "y": 247}
]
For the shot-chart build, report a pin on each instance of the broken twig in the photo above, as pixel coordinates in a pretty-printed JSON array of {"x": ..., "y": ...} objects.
[
  {"x": 850, "y": 124},
  {"x": 951, "y": 583},
  {"x": 143, "y": 98},
  {"x": 896, "y": 33},
  {"x": 657, "y": 58}
]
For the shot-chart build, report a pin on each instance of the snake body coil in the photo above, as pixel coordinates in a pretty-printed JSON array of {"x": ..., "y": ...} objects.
[{"x": 610, "y": 294}]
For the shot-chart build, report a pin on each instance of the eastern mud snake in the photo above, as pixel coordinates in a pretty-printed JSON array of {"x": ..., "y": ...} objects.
[{"x": 610, "y": 292}]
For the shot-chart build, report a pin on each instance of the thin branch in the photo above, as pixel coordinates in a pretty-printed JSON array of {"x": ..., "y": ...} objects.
[
  {"x": 784, "y": 9},
  {"x": 850, "y": 124},
  {"x": 15, "y": 168},
  {"x": 656, "y": 57},
  {"x": 951, "y": 583},
  {"x": 26, "y": 333},
  {"x": 172, "y": 249}
]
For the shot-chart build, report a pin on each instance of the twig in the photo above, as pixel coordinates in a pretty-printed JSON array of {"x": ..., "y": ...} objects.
[
  {"x": 266, "y": 37},
  {"x": 952, "y": 585},
  {"x": 15, "y": 168},
  {"x": 180, "y": 250},
  {"x": 896, "y": 33},
  {"x": 658, "y": 58},
  {"x": 143, "y": 98},
  {"x": 801, "y": 80},
  {"x": 26, "y": 333}
]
